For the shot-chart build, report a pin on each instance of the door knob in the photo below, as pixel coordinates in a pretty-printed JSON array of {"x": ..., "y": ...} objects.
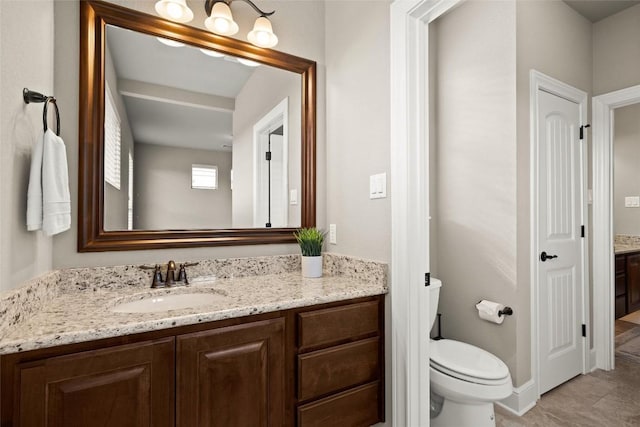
[{"x": 544, "y": 256}]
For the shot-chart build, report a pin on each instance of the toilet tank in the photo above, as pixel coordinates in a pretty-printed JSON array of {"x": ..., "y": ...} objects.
[{"x": 434, "y": 296}]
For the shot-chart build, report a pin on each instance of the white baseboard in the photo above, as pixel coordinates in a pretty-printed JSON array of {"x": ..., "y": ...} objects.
[{"x": 521, "y": 400}]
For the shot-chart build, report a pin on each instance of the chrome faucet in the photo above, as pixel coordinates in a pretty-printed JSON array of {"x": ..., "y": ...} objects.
[{"x": 170, "y": 278}]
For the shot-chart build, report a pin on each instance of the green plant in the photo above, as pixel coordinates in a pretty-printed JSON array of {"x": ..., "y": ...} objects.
[{"x": 310, "y": 241}]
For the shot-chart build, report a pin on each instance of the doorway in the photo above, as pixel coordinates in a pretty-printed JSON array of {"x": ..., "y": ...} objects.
[
  {"x": 603, "y": 237},
  {"x": 559, "y": 255},
  {"x": 270, "y": 166}
]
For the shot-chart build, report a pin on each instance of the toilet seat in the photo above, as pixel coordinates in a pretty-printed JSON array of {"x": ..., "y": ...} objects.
[{"x": 468, "y": 363}]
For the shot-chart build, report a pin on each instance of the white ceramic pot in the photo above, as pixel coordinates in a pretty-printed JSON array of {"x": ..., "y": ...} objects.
[{"x": 312, "y": 266}]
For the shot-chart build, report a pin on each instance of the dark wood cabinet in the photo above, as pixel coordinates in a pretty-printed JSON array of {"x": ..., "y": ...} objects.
[
  {"x": 233, "y": 376},
  {"x": 312, "y": 366},
  {"x": 341, "y": 366},
  {"x": 633, "y": 282},
  {"x": 621, "y": 286},
  {"x": 124, "y": 386},
  {"x": 627, "y": 284}
]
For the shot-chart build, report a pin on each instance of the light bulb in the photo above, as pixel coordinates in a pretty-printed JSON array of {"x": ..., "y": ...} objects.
[
  {"x": 174, "y": 11},
  {"x": 262, "y": 37},
  {"x": 221, "y": 25}
]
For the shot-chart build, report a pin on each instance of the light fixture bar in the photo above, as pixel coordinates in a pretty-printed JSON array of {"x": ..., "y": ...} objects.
[{"x": 208, "y": 6}]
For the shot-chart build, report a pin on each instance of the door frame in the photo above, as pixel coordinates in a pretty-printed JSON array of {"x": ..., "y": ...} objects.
[
  {"x": 603, "y": 107},
  {"x": 279, "y": 113},
  {"x": 409, "y": 30},
  {"x": 541, "y": 82}
]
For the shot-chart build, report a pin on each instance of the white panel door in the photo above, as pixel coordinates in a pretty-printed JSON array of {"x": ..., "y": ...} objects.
[{"x": 559, "y": 241}]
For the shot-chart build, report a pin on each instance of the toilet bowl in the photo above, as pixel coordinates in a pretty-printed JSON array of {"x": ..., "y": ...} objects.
[{"x": 465, "y": 380}]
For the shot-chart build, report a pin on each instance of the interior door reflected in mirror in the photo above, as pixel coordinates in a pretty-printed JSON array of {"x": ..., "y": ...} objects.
[{"x": 197, "y": 139}]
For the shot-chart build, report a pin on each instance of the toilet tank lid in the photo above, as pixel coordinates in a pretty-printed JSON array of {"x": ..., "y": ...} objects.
[{"x": 468, "y": 360}]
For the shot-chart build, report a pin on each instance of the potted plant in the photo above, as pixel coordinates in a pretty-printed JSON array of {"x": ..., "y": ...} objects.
[{"x": 310, "y": 241}]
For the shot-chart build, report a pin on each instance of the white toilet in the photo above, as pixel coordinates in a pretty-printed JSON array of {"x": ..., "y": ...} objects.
[{"x": 465, "y": 380}]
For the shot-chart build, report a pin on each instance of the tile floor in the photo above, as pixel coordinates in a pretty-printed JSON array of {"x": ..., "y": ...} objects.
[{"x": 599, "y": 399}]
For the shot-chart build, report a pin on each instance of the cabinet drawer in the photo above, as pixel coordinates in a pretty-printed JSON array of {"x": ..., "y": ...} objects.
[
  {"x": 353, "y": 408},
  {"x": 620, "y": 264},
  {"x": 337, "y": 368},
  {"x": 332, "y": 325}
]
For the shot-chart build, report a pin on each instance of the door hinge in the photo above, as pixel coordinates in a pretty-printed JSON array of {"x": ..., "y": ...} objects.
[
  {"x": 268, "y": 155},
  {"x": 427, "y": 279},
  {"x": 582, "y": 128},
  {"x": 584, "y": 330},
  {"x": 582, "y": 231}
]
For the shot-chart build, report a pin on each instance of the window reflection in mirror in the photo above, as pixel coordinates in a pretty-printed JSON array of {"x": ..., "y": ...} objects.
[{"x": 180, "y": 106}]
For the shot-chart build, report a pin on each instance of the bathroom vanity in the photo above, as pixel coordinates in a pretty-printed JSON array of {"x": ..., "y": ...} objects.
[
  {"x": 627, "y": 280},
  {"x": 311, "y": 355}
]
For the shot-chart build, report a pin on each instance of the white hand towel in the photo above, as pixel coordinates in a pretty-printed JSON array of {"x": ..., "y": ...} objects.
[
  {"x": 34, "y": 193},
  {"x": 55, "y": 186}
]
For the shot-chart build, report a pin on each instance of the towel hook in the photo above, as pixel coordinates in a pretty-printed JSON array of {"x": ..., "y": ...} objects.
[{"x": 30, "y": 96}]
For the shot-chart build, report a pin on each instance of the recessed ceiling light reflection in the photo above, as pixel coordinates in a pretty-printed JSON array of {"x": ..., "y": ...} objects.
[
  {"x": 212, "y": 53},
  {"x": 248, "y": 63},
  {"x": 169, "y": 42}
]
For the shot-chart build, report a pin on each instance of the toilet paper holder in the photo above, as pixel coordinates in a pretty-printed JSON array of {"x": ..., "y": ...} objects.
[{"x": 507, "y": 311}]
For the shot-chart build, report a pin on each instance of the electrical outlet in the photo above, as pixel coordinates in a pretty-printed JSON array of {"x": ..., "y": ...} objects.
[
  {"x": 332, "y": 234},
  {"x": 632, "y": 202}
]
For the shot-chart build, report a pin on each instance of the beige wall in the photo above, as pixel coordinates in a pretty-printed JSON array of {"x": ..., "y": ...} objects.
[
  {"x": 26, "y": 60},
  {"x": 474, "y": 209},
  {"x": 357, "y": 54},
  {"x": 163, "y": 197},
  {"x": 616, "y": 51},
  {"x": 626, "y": 176},
  {"x": 300, "y": 27},
  {"x": 264, "y": 90},
  {"x": 561, "y": 48}
]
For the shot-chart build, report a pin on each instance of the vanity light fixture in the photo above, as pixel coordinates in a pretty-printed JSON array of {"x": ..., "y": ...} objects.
[{"x": 220, "y": 20}]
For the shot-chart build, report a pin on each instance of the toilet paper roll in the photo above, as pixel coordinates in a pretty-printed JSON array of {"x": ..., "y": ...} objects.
[{"x": 489, "y": 311}]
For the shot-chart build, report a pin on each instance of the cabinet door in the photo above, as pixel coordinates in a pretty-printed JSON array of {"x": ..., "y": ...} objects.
[
  {"x": 232, "y": 377},
  {"x": 633, "y": 282},
  {"x": 123, "y": 386}
]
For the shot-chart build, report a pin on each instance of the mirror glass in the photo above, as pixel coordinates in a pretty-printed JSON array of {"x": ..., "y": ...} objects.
[{"x": 197, "y": 139}]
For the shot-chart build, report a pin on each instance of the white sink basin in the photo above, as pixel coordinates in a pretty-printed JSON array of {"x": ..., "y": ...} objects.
[{"x": 168, "y": 302}]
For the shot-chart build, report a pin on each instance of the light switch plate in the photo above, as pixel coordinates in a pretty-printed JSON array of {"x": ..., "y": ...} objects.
[
  {"x": 332, "y": 234},
  {"x": 378, "y": 186},
  {"x": 293, "y": 197}
]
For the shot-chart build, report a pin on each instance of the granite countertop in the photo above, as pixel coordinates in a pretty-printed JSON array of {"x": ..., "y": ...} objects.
[
  {"x": 625, "y": 249},
  {"x": 83, "y": 314}
]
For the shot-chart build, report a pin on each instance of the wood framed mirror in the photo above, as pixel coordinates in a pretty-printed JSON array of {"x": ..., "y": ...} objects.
[{"x": 96, "y": 231}]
